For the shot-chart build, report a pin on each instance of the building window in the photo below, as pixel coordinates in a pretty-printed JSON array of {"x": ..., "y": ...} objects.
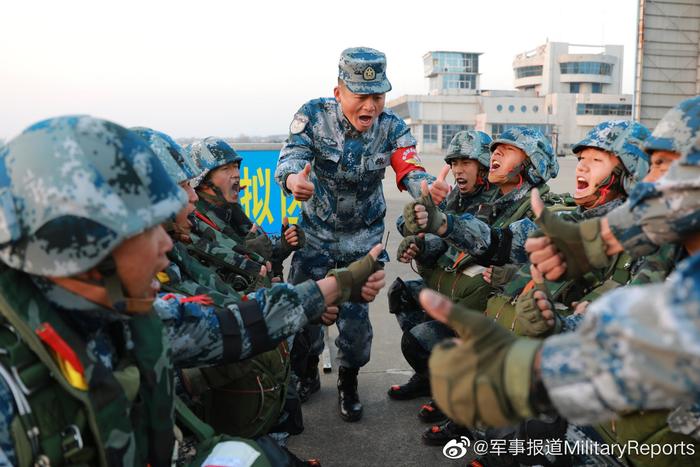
[
  {"x": 430, "y": 134},
  {"x": 525, "y": 71},
  {"x": 499, "y": 107},
  {"x": 624, "y": 110},
  {"x": 449, "y": 131},
  {"x": 586, "y": 68},
  {"x": 596, "y": 88},
  {"x": 535, "y": 108},
  {"x": 511, "y": 108},
  {"x": 523, "y": 108},
  {"x": 497, "y": 129},
  {"x": 455, "y": 62},
  {"x": 574, "y": 88},
  {"x": 458, "y": 81}
]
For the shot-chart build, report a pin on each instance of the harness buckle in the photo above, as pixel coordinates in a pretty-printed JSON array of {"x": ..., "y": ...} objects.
[{"x": 71, "y": 440}]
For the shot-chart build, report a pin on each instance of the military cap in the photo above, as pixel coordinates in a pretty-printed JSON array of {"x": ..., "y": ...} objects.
[{"x": 363, "y": 70}]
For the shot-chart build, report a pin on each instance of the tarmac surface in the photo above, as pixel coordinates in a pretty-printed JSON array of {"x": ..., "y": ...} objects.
[{"x": 389, "y": 433}]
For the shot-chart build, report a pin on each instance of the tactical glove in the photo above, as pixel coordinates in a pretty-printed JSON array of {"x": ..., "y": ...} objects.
[
  {"x": 352, "y": 278},
  {"x": 406, "y": 244},
  {"x": 501, "y": 275},
  {"x": 581, "y": 243},
  {"x": 435, "y": 217},
  {"x": 530, "y": 321},
  {"x": 487, "y": 377},
  {"x": 285, "y": 248},
  {"x": 259, "y": 244}
]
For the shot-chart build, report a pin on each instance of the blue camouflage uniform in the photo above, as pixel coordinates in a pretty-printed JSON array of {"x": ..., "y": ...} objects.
[
  {"x": 637, "y": 347},
  {"x": 345, "y": 216}
]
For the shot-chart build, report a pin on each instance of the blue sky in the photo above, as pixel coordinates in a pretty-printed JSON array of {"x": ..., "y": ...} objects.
[{"x": 229, "y": 68}]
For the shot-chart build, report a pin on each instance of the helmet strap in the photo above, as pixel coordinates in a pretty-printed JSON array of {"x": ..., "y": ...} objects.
[
  {"x": 117, "y": 300},
  {"x": 609, "y": 189}
]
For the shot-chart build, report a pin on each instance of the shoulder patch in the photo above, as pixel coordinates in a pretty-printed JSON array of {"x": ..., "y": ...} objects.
[{"x": 298, "y": 124}]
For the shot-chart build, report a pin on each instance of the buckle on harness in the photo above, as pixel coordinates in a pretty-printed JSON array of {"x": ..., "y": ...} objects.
[{"x": 71, "y": 440}]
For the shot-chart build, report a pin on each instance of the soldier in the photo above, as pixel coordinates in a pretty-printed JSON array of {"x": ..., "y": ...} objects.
[
  {"x": 218, "y": 187},
  {"x": 539, "y": 318},
  {"x": 521, "y": 159},
  {"x": 81, "y": 246},
  {"x": 636, "y": 348},
  {"x": 468, "y": 156},
  {"x": 334, "y": 160}
]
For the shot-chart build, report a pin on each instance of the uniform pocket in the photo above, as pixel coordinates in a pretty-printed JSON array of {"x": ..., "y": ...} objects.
[{"x": 377, "y": 161}]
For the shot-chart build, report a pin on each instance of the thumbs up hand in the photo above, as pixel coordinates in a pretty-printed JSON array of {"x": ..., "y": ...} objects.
[
  {"x": 300, "y": 186},
  {"x": 440, "y": 188},
  {"x": 422, "y": 215}
]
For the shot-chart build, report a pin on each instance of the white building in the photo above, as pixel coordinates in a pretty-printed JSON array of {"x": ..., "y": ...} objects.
[{"x": 563, "y": 90}]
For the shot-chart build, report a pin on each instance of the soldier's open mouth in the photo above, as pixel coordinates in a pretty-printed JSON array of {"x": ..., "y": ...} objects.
[
  {"x": 581, "y": 183},
  {"x": 461, "y": 182},
  {"x": 495, "y": 165},
  {"x": 365, "y": 119}
]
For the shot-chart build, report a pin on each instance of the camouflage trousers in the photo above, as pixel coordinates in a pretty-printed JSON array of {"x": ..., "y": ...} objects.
[
  {"x": 354, "y": 339},
  {"x": 420, "y": 332}
]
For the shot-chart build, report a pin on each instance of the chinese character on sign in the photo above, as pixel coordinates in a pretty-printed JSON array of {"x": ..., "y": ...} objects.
[
  {"x": 257, "y": 193},
  {"x": 290, "y": 208}
]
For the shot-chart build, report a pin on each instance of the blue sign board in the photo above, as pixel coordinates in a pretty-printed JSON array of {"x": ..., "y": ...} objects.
[{"x": 262, "y": 199}]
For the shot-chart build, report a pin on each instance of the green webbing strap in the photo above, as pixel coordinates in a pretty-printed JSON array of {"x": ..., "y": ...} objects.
[
  {"x": 33, "y": 342},
  {"x": 189, "y": 420}
]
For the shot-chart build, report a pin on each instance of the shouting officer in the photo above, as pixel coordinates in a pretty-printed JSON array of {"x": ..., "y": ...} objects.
[{"x": 334, "y": 161}]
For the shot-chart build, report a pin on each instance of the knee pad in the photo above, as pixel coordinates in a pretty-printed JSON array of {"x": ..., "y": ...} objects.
[{"x": 414, "y": 353}]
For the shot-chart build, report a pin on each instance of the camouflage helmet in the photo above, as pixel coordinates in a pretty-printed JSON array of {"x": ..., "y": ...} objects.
[
  {"x": 72, "y": 189},
  {"x": 470, "y": 144},
  {"x": 624, "y": 138},
  {"x": 211, "y": 153},
  {"x": 178, "y": 165},
  {"x": 669, "y": 209},
  {"x": 543, "y": 162}
]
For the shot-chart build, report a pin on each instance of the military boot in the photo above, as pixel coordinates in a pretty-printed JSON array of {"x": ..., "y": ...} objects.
[
  {"x": 348, "y": 400},
  {"x": 416, "y": 386},
  {"x": 310, "y": 380}
]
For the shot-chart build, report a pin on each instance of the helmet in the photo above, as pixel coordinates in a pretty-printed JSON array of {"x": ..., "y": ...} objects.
[
  {"x": 624, "y": 138},
  {"x": 170, "y": 154},
  {"x": 470, "y": 144},
  {"x": 543, "y": 162},
  {"x": 668, "y": 210},
  {"x": 72, "y": 189},
  {"x": 209, "y": 154}
]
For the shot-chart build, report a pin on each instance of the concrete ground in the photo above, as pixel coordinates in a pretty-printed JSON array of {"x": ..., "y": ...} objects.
[{"x": 389, "y": 432}]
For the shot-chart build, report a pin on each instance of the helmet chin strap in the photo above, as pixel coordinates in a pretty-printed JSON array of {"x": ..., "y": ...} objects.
[
  {"x": 607, "y": 190},
  {"x": 217, "y": 198},
  {"x": 115, "y": 291}
]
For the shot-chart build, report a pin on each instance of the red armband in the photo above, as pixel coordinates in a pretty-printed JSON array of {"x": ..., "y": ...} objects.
[{"x": 404, "y": 161}]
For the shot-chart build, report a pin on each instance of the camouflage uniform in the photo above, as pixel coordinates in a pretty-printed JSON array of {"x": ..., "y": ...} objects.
[
  {"x": 229, "y": 218},
  {"x": 345, "y": 216},
  {"x": 102, "y": 360},
  {"x": 637, "y": 346},
  {"x": 447, "y": 277},
  {"x": 71, "y": 162},
  {"x": 403, "y": 295},
  {"x": 245, "y": 397}
]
